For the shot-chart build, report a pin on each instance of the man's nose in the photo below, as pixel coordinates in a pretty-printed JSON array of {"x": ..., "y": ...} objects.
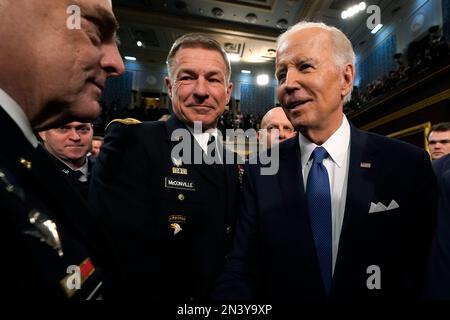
[
  {"x": 111, "y": 60},
  {"x": 201, "y": 88},
  {"x": 74, "y": 135},
  {"x": 292, "y": 80}
]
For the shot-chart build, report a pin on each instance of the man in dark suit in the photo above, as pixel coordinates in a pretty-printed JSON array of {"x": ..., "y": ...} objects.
[
  {"x": 51, "y": 74},
  {"x": 350, "y": 214},
  {"x": 69, "y": 145},
  {"x": 438, "y": 277},
  {"x": 172, "y": 217}
]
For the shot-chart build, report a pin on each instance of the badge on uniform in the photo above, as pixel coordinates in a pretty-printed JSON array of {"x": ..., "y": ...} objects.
[
  {"x": 181, "y": 184},
  {"x": 45, "y": 230},
  {"x": 177, "y": 161},
  {"x": 175, "y": 222},
  {"x": 176, "y": 170}
]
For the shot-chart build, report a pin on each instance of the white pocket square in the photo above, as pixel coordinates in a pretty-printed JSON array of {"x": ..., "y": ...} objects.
[{"x": 379, "y": 207}]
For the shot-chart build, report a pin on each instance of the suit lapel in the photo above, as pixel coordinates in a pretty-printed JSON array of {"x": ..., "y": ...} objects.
[
  {"x": 290, "y": 179},
  {"x": 360, "y": 188}
]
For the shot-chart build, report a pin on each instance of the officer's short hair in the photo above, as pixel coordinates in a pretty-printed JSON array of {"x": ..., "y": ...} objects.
[
  {"x": 197, "y": 40},
  {"x": 439, "y": 127}
]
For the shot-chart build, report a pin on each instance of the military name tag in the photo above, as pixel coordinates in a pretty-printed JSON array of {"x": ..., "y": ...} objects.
[
  {"x": 182, "y": 184},
  {"x": 176, "y": 170}
]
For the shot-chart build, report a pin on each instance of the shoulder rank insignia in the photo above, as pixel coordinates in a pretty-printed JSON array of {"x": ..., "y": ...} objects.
[{"x": 126, "y": 121}]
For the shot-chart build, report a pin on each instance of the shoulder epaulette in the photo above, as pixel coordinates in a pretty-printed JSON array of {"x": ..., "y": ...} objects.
[{"x": 126, "y": 121}]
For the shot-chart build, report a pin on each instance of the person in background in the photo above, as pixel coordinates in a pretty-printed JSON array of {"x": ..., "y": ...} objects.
[
  {"x": 439, "y": 140},
  {"x": 438, "y": 276},
  {"x": 275, "y": 119},
  {"x": 69, "y": 146},
  {"x": 97, "y": 142}
]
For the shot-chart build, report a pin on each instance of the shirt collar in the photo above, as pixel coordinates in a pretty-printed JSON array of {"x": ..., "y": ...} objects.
[
  {"x": 84, "y": 168},
  {"x": 336, "y": 145},
  {"x": 203, "y": 137},
  {"x": 18, "y": 116}
]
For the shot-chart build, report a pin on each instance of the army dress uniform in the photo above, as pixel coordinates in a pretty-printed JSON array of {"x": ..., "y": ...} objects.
[
  {"x": 50, "y": 243},
  {"x": 172, "y": 221},
  {"x": 74, "y": 176}
]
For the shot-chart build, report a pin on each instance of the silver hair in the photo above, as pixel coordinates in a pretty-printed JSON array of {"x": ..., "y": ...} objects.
[
  {"x": 343, "y": 52},
  {"x": 197, "y": 40}
]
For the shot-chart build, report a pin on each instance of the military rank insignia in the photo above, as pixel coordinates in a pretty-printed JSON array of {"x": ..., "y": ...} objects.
[
  {"x": 175, "y": 223},
  {"x": 176, "y": 170},
  {"x": 177, "y": 161}
]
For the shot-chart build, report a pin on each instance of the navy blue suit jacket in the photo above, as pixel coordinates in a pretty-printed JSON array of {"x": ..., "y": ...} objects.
[
  {"x": 273, "y": 255},
  {"x": 438, "y": 279}
]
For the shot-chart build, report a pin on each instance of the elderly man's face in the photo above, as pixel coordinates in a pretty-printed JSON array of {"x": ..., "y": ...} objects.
[
  {"x": 276, "y": 119},
  {"x": 64, "y": 70},
  {"x": 311, "y": 87},
  {"x": 70, "y": 142},
  {"x": 199, "y": 90}
]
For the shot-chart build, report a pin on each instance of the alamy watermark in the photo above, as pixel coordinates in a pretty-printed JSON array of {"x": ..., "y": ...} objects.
[
  {"x": 183, "y": 152},
  {"x": 74, "y": 19}
]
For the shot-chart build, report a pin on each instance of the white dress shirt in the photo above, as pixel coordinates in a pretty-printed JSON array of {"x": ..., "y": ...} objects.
[
  {"x": 202, "y": 139},
  {"x": 338, "y": 148},
  {"x": 16, "y": 113}
]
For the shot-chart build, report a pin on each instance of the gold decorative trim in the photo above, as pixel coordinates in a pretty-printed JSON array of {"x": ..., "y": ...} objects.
[
  {"x": 126, "y": 121},
  {"x": 408, "y": 110},
  {"x": 423, "y": 127}
]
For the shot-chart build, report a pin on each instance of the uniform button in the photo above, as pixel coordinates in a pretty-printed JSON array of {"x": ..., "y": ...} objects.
[{"x": 181, "y": 197}]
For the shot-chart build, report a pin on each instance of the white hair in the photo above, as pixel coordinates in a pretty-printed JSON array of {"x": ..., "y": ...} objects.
[{"x": 343, "y": 53}]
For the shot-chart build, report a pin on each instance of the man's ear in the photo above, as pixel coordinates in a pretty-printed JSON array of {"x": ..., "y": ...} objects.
[
  {"x": 229, "y": 90},
  {"x": 348, "y": 75},
  {"x": 168, "y": 86},
  {"x": 42, "y": 135}
]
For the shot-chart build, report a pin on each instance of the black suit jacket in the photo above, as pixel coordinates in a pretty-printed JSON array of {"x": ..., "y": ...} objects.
[
  {"x": 441, "y": 165},
  {"x": 273, "y": 253},
  {"x": 438, "y": 277},
  {"x": 30, "y": 184},
  {"x": 144, "y": 197}
]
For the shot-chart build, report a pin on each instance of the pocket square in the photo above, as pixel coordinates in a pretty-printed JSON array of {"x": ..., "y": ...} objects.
[{"x": 379, "y": 207}]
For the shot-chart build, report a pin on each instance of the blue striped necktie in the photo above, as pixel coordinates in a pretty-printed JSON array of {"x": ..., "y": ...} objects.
[{"x": 319, "y": 207}]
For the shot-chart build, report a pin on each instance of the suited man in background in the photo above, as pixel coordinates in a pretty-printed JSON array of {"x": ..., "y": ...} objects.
[
  {"x": 343, "y": 218},
  {"x": 69, "y": 146},
  {"x": 171, "y": 218},
  {"x": 439, "y": 140},
  {"x": 51, "y": 75},
  {"x": 438, "y": 276}
]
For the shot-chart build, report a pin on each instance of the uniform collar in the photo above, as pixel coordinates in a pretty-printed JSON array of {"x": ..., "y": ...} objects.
[{"x": 16, "y": 113}]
